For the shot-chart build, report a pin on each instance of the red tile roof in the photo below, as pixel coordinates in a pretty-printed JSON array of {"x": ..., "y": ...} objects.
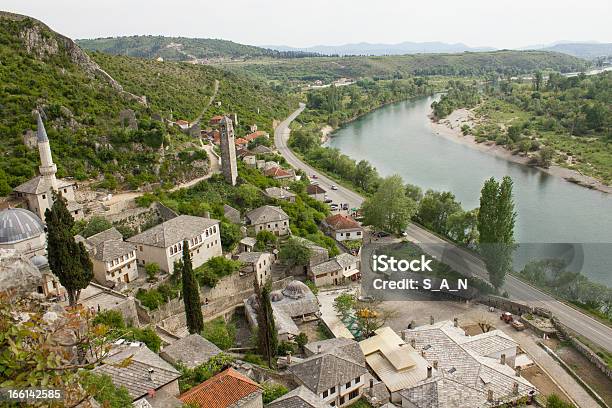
[
  {"x": 241, "y": 141},
  {"x": 341, "y": 222},
  {"x": 182, "y": 122},
  {"x": 215, "y": 119},
  {"x": 277, "y": 172},
  {"x": 255, "y": 135},
  {"x": 221, "y": 391}
]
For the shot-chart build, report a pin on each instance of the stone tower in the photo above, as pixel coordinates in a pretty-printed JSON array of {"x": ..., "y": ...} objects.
[
  {"x": 228, "y": 151},
  {"x": 47, "y": 168}
]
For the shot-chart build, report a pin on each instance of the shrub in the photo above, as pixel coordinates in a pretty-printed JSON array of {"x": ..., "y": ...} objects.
[
  {"x": 101, "y": 388},
  {"x": 220, "y": 333},
  {"x": 111, "y": 318},
  {"x": 272, "y": 391}
]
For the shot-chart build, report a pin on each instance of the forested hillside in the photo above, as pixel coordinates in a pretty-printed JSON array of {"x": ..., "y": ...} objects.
[
  {"x": 182, "y": 48},
  {"x": 81, "y": 105},
  {"x": 387, "y": 67}
]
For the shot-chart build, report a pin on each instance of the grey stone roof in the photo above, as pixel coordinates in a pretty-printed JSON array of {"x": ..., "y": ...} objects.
[
  {"x": 183, "y": 227},
  {"x": 323, "y": 371},
  {"x": 311, "y": 245},
  {"x": 348, "y": 347},
  {"x": 249, "y": 241},
  {"x": 17, "y": 224},
  {"x": 192, "y": 351},
  {"x": 278, "y": 193},
  {"x": 261, "y": 149},
  {"x": 266, "y": 213},
  {"x": 231, "y": 213},
  {"x": 345, "y": 259},
  {"x": 38, "y": 185},
  {"x": 109, "y": 250},
  {"x": 461, "y": 370},
  {"x": 136, "y": 376},
  {"x": 251, "y": 257},
  {"x": 111, "y": 234},
  {"x": 301, "y": 397},
  {"x": 337, "y": 263}
]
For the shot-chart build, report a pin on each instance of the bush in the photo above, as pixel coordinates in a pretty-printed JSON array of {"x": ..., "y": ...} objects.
[
  {"x": 284, "y": 348},
  {"x": 101, "y": 388},
  {"x": 147, "y": 336},
  {"x": 220, "y": 333},
  {"x": 152, "y": 270},
  {"x": 110, "y": 318},
  {"x": 190, "y": 377},
  {"x": 255, "y": 359},
  {"x": 272, "y": 391}
]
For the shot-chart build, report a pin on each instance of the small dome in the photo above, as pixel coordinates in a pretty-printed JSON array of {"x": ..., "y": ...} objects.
[
  {"x": 296, "y": 290},
  {"x": 276, "y": 296},
  {"x": 17, "y": 224},
  {"x": 252, "y": 301},
  {"x": 39, "y": 261}
]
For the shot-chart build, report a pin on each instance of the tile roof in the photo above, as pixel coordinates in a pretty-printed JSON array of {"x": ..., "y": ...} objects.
[
  {"x": 335, "y": 264},
  {"x": 143, "y": 371},
  {"x": 340, "y": 222},
  {"x": 111, "y": 234},
  {"x": 314, "y": 189},
  {"x": 221, "y": 391},
  {"x": 249, "y": 241},
  {"x": 301, "y": 397},
  {"x": 277, "y": 172},
  {"x": 38, "y": 185},
  {"x": 266, "y": 213},
  {"x": 252, "y": 257},
  {"x": 255, "y": 135},
  {"x": 109, "y": 250},
  {"x": 192, "y": 351},
  {"x": 261, "y": 149},
  {"x": 172, "y": 231},
  {"x": 338, "y": 365},
  {"x": 278, "y": 193},
  {"x": 241, "y": 141}
]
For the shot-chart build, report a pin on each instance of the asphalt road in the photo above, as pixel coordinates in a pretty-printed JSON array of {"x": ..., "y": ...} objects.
[{"x": 459, "y": 259}]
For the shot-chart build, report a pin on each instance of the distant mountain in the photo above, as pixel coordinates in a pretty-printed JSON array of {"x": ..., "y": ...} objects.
[
  {"x": 182, "y": 48},
  {"x": 583, "y": 50},
  {"x": 384, "y": 49}
]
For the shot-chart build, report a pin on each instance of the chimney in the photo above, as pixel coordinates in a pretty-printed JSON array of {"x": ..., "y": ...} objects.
[
  {"x": 518, "y": 371},
  {"x": 319, "y": 349},
  {"x": 371, "y": 387},
  {"x": 413, "y": 343},
  {"x": 431, "y": 320},
  {"x": 435, "y": 364},
  {"x": 206, "y": 214},
  {"x": 490, "y": 395},
  {"x": 288, "y": 358},
  {"x": 456, "y": 322},
  {"x": 429, "y": 371},
  {"x": 515, "y": 388},
  {"x": 502, "y": 359},
  {"x": 422, "y": 353},
  {"x": 404, "y": 336},
  {"x": 151, "y": 371}
]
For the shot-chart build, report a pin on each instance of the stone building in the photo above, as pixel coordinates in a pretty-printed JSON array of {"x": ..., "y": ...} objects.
[
  {"x": 342, "y": 227},
  {"x": 259, "y": 263},
  {"x": 22, "y": 231},
  {"x": 163, "y": 244},
  {"x": 228, "y": 151},
  {"x": 37, "y": 192},
  {"x": 269, "y": 218},
  {"x": 336, "y": 271}
]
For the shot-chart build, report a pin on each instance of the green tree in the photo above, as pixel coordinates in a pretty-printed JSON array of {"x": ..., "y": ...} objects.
[
  {"x": 537, "y": 80},
  {"x": 266, "y": 328},
  {"x": 248, "y": 196},
  {"x": 272, "y": 391},
  {"x": 462, "y": 227},
  {"x": 344, "y": 303},
  {"x": 545, "y": 156},
  {"x": 152, "y": 270},
  {"x": 264, "y": 239},
  {"x": 389, "y": 208},
  {"x": 496, "y": 219},
  {"x": 554, "y": 401},
  {"x": 219, "y": 332},
  {"x": 294, "y": 252},
  {"x": 230, "y": 235},
  {"x": 95, "y": 225},
  {"x": 435, "y": 208},
  {"x": 68, "y": 259},
  {"x": 102, "y": 389},
  {"x": 191, "y": 294},
  {"x": 301, "y": 340}
]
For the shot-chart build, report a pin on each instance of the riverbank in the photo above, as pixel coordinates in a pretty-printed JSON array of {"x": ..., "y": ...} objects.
[{"x": 450, "y": 128}]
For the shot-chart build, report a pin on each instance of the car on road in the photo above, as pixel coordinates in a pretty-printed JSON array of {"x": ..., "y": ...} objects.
[
  {"x": 333, "y": 206},
  {"x": 345, "y": 207},
  {"x": 314, "y": 176},
  {"x": 328, "y": 201},
  {"x": 334, "y": 187},
  {"x": 506, "y": 317},
  {"x": 381, "y": 234}
]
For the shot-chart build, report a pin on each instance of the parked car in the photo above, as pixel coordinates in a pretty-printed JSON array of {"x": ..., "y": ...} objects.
[
  {"x": 518, "y": 326},
  {"x": 334, "y": 187},
  {"x": 328, "y": 201},
  {"x": 345, "y": 207},
  {"x": 333, "y": 206},
  {"x": 381, "y": 234},
  {"x": 506, "y": 317},
  {"x": 314, "y": 176}
]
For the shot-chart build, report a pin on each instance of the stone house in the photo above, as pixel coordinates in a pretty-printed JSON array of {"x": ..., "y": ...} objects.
[
  {"x": 342, "y": 227},
  {"x": 337, "y": 373},
  {"x": 336, "y": 271},
  {"x": 113, "y": 259},
  {"x": 315, "y": 191},
  {"x": 231, "y": 214},
  {"x": 269, "y": 218},
  {"x": 258, "y": 263},
  {"x": 163, "y": 244},
  {"x": 190, "y": 351}
]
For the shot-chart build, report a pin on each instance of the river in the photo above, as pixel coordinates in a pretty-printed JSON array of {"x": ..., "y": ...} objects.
[{"x": 398, "y": 139}]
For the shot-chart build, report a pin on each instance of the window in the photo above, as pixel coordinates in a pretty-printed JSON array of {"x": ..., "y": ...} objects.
[
  {"x": 341, "y": 400},
  {"x": 358, "y": 232},
  {"x": 140, "y": 248},
  {"x": 353, "y": 394},
  {"x": 333, "y": 390},
  {"x": 348, "y": 385},
  {"x": 44, "y": 196},
  {"x": 333, "y": 403},
  {"x": 325, "y": 393},
  {"x": 357, "y": 380}
]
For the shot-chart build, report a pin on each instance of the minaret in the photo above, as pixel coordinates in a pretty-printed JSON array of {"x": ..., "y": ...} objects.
[
  {"x": 47, "y": 168},
  {"x": 228, "y": 151}
]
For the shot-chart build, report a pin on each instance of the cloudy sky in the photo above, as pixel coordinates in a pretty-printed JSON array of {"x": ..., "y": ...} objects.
[{"x": 496, "y": 23}]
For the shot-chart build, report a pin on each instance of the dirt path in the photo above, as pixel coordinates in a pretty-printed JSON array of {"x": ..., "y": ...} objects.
[{"x": 210, "y": 101}]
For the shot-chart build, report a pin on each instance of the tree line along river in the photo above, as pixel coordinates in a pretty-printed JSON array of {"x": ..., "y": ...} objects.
[{"x": 399, "y": 139}]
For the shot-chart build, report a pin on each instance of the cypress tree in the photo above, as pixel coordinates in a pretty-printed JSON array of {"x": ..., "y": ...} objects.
[
  {"x": 266, "y": 330},
  {"x": 496, "y": 219},
  {"x": 68, "y": 259},
  {"x": 191, "y": 294}
]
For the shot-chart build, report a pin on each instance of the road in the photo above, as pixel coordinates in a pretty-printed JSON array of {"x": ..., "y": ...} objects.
[{"x": 459, "y": 259}]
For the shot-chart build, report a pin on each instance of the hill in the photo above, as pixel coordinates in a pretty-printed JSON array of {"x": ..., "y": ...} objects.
[
  {"x": 387, "y": 67},
  {"x": 587, "y": 51},
  {"x": 182, "y": 48},
  {"x": 82, "y": 95},
  {"x": 402, "y": 48}
]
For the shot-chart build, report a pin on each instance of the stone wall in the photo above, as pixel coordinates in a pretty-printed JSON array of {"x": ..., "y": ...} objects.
[{"x": 513, "y": 307}]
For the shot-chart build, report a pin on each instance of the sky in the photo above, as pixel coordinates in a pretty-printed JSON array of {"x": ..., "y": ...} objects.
[{"x": 495, "y": 23}]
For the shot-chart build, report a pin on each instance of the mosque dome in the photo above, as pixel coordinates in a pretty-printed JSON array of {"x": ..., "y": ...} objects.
[
  {"x": 18, "y": 224},
  {"x": 276, "y": 296},
  {"x": 296, "y": 290},
  {"x": 39, "y": 261}
]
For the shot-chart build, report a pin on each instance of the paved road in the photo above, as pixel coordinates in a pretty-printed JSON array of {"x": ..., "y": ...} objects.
[{"x": 459, "y": 259}]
